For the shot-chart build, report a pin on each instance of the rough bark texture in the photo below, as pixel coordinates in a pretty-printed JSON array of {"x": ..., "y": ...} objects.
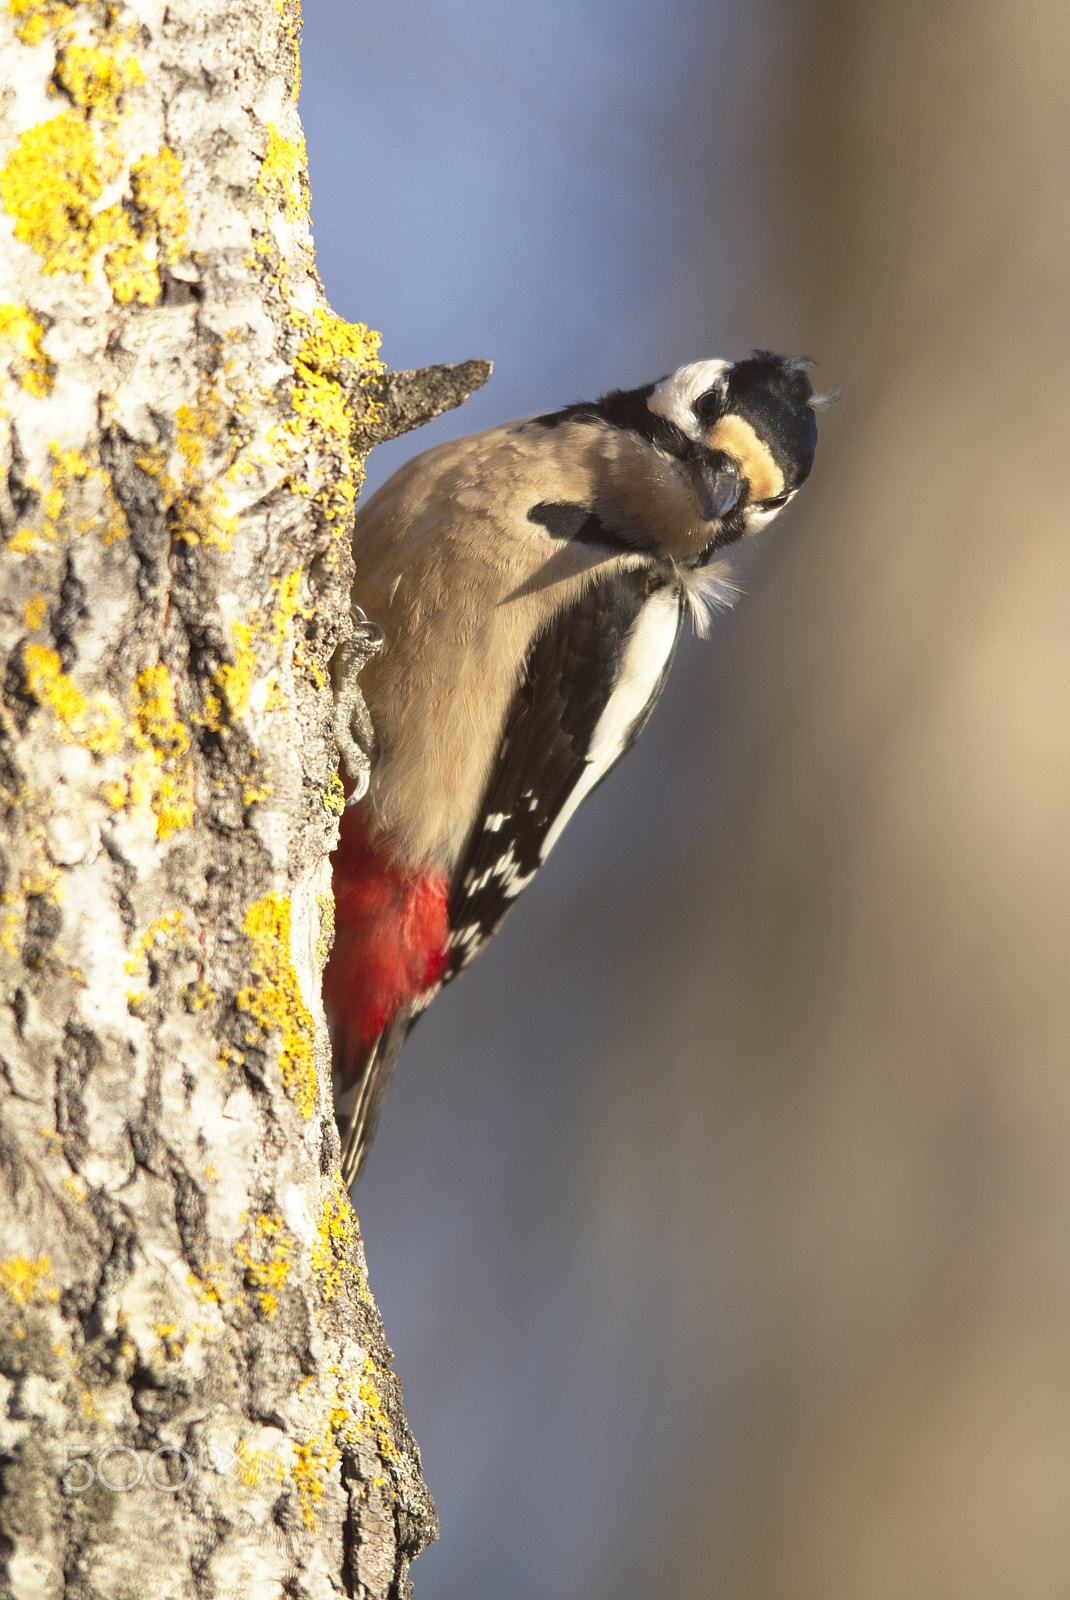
[
  {"x": 198, "y": 1400},
  {"x": 402, "y": 401}
]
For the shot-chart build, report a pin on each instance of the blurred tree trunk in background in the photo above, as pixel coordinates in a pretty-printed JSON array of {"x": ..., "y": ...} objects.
[{"x": 877, "y": 1007}]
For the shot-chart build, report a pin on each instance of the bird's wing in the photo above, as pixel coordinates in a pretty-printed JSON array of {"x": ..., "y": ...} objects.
[{"x": 590, "y": 683}]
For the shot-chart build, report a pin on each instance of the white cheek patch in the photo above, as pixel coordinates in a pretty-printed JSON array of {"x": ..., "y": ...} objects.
[
  {"x": 755, "y": 517},
  {"x": 674, "y": 397}
]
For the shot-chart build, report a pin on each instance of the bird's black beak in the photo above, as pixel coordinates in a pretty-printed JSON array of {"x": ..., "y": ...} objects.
[{"x": 718, "y": 486}]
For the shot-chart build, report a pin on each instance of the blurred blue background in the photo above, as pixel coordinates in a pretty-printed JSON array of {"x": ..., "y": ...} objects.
[
  {"x": 718, "y": 1215},
  {"x": 574, "y": 190}
]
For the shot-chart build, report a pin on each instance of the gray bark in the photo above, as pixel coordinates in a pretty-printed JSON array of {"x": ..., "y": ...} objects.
[{"x": 197, "y": 1392}]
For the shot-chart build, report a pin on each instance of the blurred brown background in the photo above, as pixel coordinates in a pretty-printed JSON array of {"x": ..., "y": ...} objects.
[{"x": 721, "y": 1216}]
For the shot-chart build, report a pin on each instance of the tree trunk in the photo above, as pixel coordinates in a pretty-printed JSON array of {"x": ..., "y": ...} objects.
[{"x": 198, "y": 1392}]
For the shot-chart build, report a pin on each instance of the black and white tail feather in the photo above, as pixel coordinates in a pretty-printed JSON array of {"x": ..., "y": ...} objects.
[{"x": 357, "y": 1106}]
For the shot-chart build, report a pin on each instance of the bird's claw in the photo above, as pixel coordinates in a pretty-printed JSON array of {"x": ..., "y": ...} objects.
[{"x": 353, "y": 726}]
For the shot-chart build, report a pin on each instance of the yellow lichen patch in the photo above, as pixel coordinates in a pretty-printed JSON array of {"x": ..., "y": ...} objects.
[
  {"x": 312, "y": 1461},
  {"x": 55, "y": 176},
  {"x": 209, "y": 1285},
  {"x": 194, "y": 428},
  {"x": 213, "y": 425},
  {"x": 26, "y": 1282},
  {"x": 254, "y": 794},
  {"x": 256, "y": 1465},
  {"x": 198, "y": 996},
  {"x": 96, "y": 80},
  {"x": 377, "y": 1417},
  {"x": 80, "y": 498},
  {"x": 330, "y": 354},
  {"x": 161, "y": 777},
  {"x": 20, "y": 329},
  {"x": 165, "y": 933},
  {"x": 313, "y": 668},
  {"x": 68, "y": 468},
  {"x": 280, "y": 174},
  {"x": 265, "y": 1261},
  {"x": 273, "y": 998},
  {"x": 49, "y": 186},
  {"x": 315, "y": 1458},
  {"x": 229, "y": 1057},
  {"x": 275, "y": 699},
  {"x": 334, "y": 796},
  {"x": 89, "y": 721},
  {"x": 288, "y": 607},
  {"x": 319, "y": 398},
  {"x": 44, "y": 884},
  {"x": 70, "y": 472},
  {"x": 156, "y": 184},
  {"x": 132, "y": 265},
  {"x": 34, "y": 612},
  {"x": 130, "y": 273},
  {"x": 36, "y": 18},
  {"x": 292, "y": 33},
  {"x": 162, "y": 737},
  {"x": 334, "y": 1241},
  {"x": 172, "y": 1342},
  {"x": 168, "y": 936},
  {"x": 49, "y": 685},
  {"x": 200, "y": 516},
  {"x": 115, "y": 525},
  {"x": 234, "y": 680},
  {"x": 325, "y": 936},
  {"x": 154, "y": 230},
  {"x": 54, "y": 179}
]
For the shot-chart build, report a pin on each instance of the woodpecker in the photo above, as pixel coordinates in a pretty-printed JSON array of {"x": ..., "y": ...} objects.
[{"x": 528, "y": 585}]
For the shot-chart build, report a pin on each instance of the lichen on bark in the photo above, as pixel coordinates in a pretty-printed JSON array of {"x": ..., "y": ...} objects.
[{"x": 198, "y": 1398}]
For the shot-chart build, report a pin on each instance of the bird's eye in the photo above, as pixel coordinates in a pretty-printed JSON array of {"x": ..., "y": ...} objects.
[
  {"x": 708, "y": 405},
  {"x": 776, "y": 502}
]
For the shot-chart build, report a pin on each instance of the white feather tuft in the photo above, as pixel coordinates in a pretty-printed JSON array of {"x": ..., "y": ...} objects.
[{"x": 706, "y": 591}]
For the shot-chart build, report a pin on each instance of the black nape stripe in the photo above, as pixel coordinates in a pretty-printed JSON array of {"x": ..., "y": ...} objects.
[{"x": 629, "y": 409}]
